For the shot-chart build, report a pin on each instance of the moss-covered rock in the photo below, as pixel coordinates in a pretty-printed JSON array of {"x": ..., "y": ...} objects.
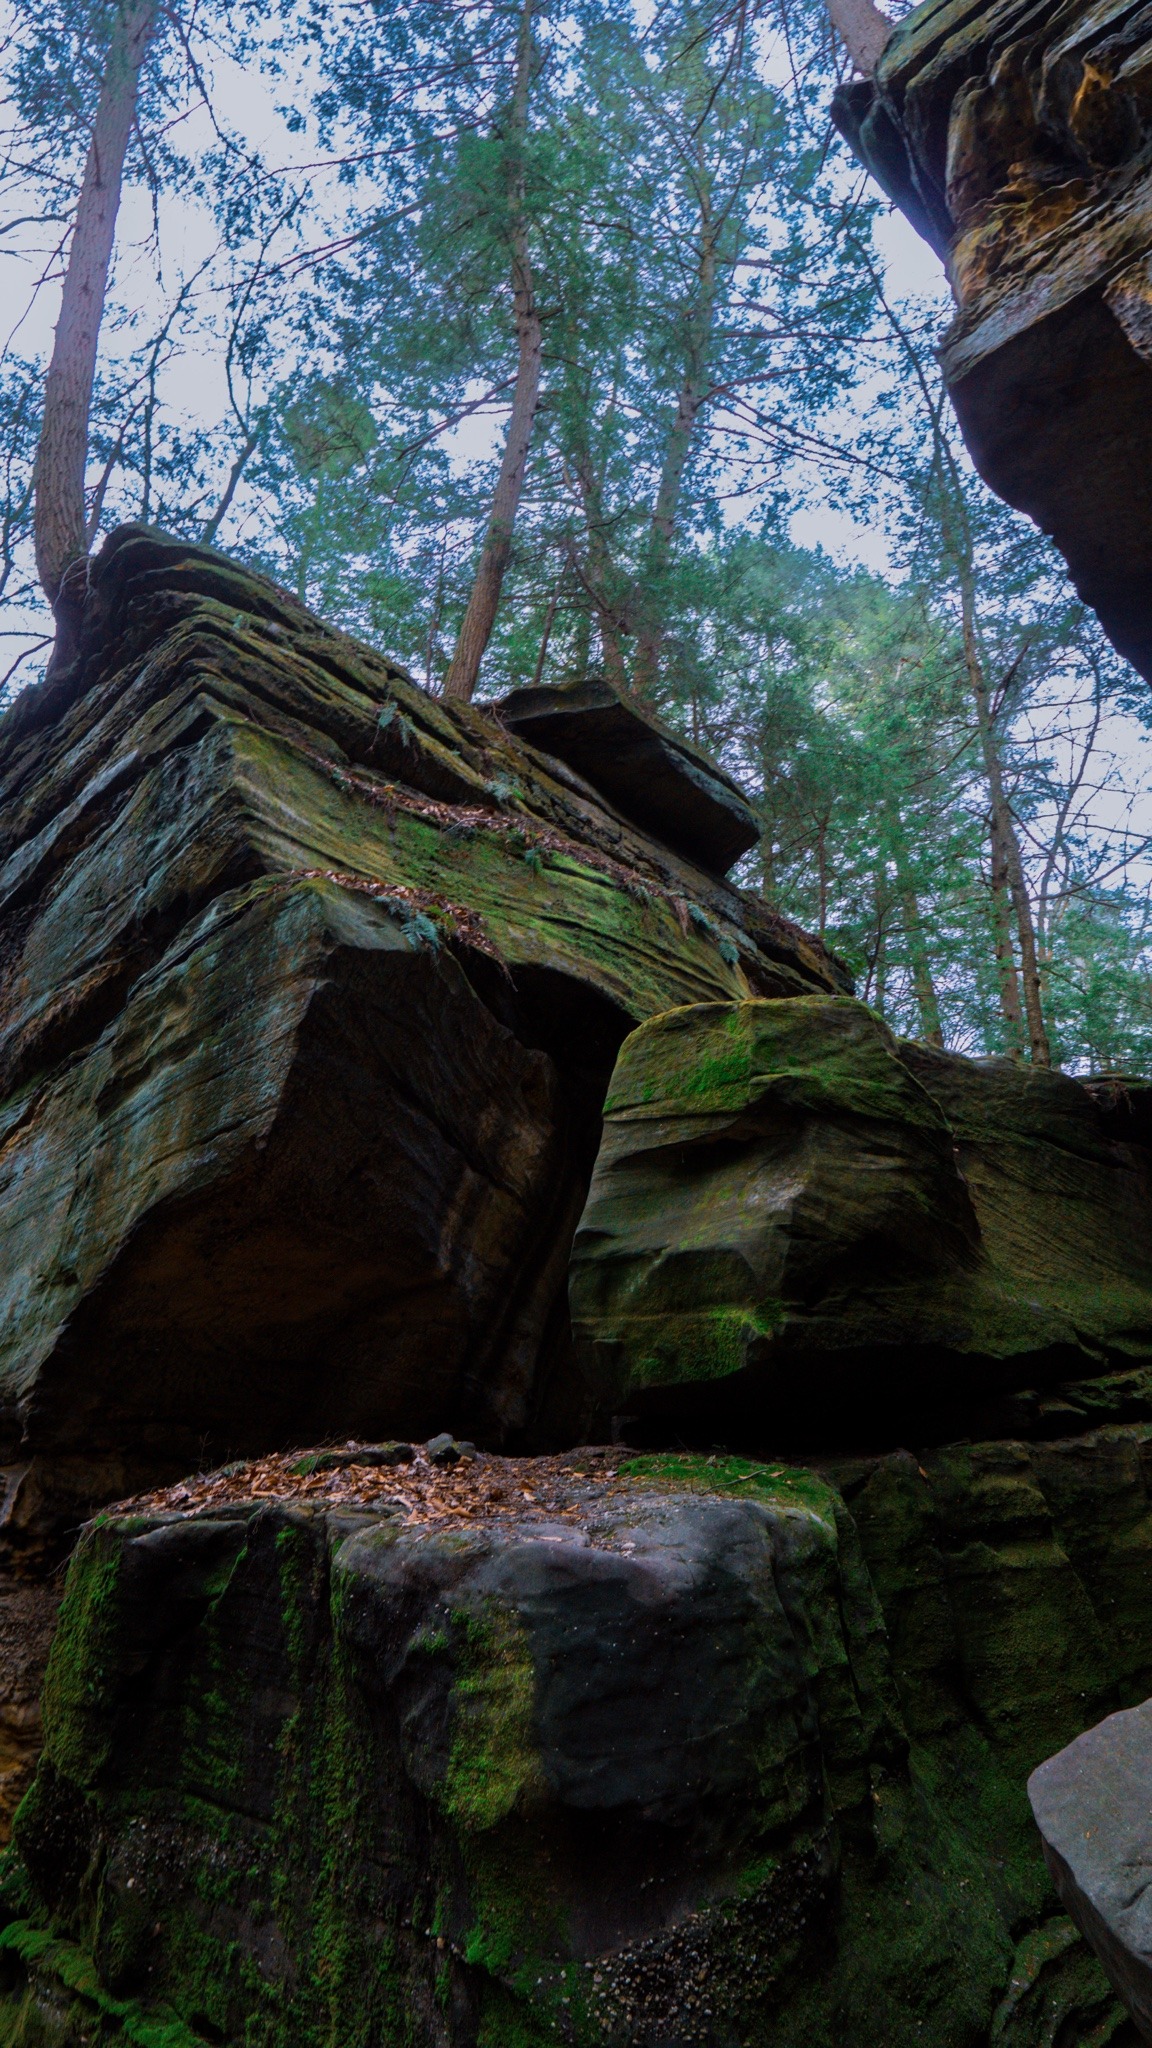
[
  {"x": 800, "y": 1231},
  {"x": 702, "y": 1752},
  {"x": 310, "y": 986}
]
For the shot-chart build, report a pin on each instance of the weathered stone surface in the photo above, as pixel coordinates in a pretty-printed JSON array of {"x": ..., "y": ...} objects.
[
  {"x": 27, "y": 1618},
  {"x": 802, "y": 1232},
  {"x": 309, "y": 990},
  {"x": 634, "y": 1761},
  {"x": 1093, "y": 1807},
  {"x": 651, "y": 774},
  {"x": 1019, "y": 141}
]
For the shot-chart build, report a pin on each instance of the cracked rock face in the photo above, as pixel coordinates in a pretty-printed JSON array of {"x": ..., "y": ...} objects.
[
  {"x": 310, "y": 988},
  {"x": 1019, "y": 142}
]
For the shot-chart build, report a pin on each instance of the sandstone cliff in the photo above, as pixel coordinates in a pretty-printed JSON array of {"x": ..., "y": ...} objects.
[
  {"x": 310, "y": 989},
  {"x": 331, "y": 1019},
  {"x": 1018, "y": 140}
]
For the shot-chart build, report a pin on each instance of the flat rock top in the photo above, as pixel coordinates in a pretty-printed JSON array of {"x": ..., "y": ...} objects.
[
  {"x": 656, "y": 776},
  {"x": 469, "y": 1486}
]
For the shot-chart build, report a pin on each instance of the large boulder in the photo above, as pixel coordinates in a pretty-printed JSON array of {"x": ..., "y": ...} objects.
[
  {"x": 1093, "y": 1807},
  {"x": 649, "y": 1752},
  {"x": 304, "y": 1182},
  {"x": 802, "y": 1232},
  {"x": 1016, "y": 140}
]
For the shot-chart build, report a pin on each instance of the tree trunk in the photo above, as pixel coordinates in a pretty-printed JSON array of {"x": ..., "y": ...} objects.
[
  {"x": 599, "y": 571},
  {"x": 923, "y": 986},
  {"x": 693, "y": 395},
  {"x": 1007, "y": 977},
  {"x": 1009, "y": 889},
  {"x": 919, "y": 964},
  {"x": 212, "y": 525},
  {"x": 1029, "y": 952},
  {"x": 880, "y": 962},
  {"x": 863, "y": 29},
  {"x": 484, "y": 600},
  {"x": 58, "y": 518}
]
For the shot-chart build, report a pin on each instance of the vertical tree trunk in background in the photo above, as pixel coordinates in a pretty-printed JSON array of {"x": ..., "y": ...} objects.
[
  {"x": 546, "y": 635},
  {"x": 880, "y": 964},
  {"x": 59, "y": 524},
  {"x": 919, "y": 964},
  {"x": 582, "y": 641},
  {"x": 599, "y": 570},
  {"x": 1029, "y": 952},
  {"x": 693, "y": 394},
  {"x": 484, "y": 600},
  {"x": 864, "y": 31},
  {"x": 923, "y": 985},
  {"x": 1007, "y": 977},
  {"x": 1009, "y": 888},
  {"x": 822, "y": 872},
  {"x": 212, "y": 526}
]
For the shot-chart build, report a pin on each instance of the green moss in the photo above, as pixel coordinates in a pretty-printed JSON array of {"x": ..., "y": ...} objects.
[
  {"x": 74, "y": 1970},
  {"x": 706, "y": 1345},
  {"x": 602, "y": 926},
  {"x": 83, "y": 1665},
  {"x": 506, "y": 2023},
  {"x": 494, "y": 1762},
  {"x": 750, "y": 1478},
  {"x": 824, "y": 1053}
]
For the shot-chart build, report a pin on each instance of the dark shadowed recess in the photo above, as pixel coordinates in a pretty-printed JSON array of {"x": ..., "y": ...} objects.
[{"x": 267, "y": 1315}]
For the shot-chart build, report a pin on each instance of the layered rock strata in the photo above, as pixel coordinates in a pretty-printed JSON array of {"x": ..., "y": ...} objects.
[
  {"x": 1018, "y": 140},
  {"x": 310, "y": 988},
  {"x": 802, "y": 1232},
  {"x": 656, "y": 776},
  {"x": 596, "y": 1749}
]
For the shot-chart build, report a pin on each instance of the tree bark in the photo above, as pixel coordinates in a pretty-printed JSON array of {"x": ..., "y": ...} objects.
[
  {"x": 919, "y": 964},
  {"x": 484, "y": 598},
  {"x": 59, "y": 525},
  {"x": 692, "y": 397},
  {"x": 599, "y": 571},
  {"x": 923, "y": 986},
  {"x": 863, "y": 29},
  {"x": 1009, "y": 888}
]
